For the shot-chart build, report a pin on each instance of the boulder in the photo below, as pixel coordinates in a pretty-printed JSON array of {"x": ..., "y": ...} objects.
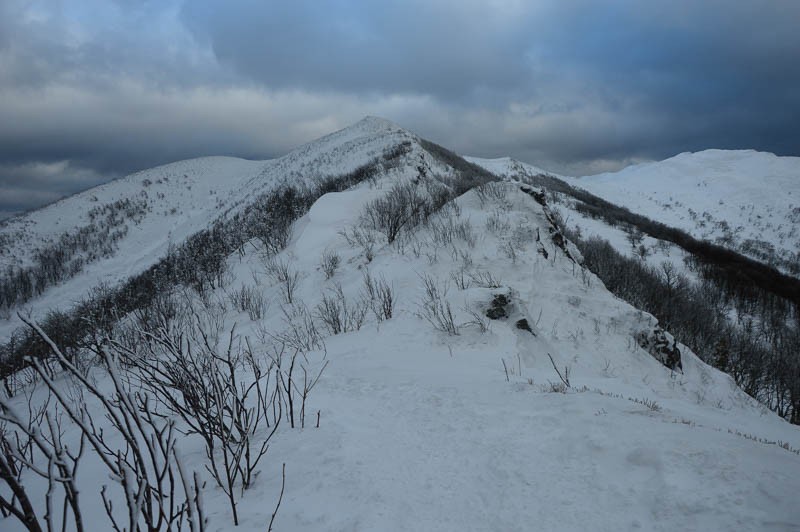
[{"x": 662, "y": 346}]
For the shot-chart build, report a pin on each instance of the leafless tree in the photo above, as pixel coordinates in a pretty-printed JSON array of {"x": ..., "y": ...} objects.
[
  {"x": 201, "y": 382},
  {"x": 156, "y": 490}
]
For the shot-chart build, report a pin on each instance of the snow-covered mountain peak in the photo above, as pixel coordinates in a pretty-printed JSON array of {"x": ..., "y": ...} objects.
[
  {"x": 508, "y": 167},
  {"x": 726, "y": 168},
  {"x": 374, "y": 124},
  {"x": 746, "y": 200},
  {"x": 336, "y": 153},
  {"x": 121, "y": 228}
]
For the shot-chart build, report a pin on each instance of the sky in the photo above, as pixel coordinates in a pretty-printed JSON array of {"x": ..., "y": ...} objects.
[{"x": 91, "y": 90}]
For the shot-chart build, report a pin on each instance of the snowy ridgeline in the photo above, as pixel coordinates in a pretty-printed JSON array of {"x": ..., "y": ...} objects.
[
  {"x": 745, "y": 200},
  {"x": 50, "y": 257},
  {"x": 430, "y": 415}
]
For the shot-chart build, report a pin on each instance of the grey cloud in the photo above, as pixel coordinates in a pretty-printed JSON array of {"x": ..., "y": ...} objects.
[
  {"x": 577, "y": 86},
  {"x": 449, "y": 49},
  {"x": 33, "y": 184},
  {"x": 729, "y": 69}
]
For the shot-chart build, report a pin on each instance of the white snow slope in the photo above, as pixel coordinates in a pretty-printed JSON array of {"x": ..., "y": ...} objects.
[
  {"x": 423, "y": 430},
  {"x": 746, "y": 200}
]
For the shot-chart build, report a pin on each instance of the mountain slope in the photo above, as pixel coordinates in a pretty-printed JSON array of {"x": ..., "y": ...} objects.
[
  {"x": 437, "y": 417},
  {"x": 746, "y": 200},
  {"x": 122, "y": 228}
]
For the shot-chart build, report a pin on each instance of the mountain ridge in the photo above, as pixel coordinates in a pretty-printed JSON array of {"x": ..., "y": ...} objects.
[{"x": 459, "y": 367}]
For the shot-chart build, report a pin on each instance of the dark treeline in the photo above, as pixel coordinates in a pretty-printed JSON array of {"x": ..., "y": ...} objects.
[
  {"x": 468, "y": 175},
  {"x": 199, "y": 263},
  {"x": 65, "y": 257},
  {"x": 761, "y": 356}
]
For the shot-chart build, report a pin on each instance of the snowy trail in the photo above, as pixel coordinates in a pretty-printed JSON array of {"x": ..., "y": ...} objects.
[{"x": 452, "y": 446}]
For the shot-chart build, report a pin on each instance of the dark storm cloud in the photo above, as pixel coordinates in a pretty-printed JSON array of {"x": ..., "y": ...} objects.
[
  {"x": 93, "y": 89},
  {"x": 32, "y": 185},
  {"x": 447, "y": 49}
]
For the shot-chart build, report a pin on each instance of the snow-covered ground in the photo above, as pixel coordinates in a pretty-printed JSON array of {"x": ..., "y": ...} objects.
[
  {"x": 424, "y": 430},
  {"x": 421, "y": 430}
]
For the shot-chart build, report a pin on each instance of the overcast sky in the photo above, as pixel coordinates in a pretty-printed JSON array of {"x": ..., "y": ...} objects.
[{"x": 94, "y": 89}]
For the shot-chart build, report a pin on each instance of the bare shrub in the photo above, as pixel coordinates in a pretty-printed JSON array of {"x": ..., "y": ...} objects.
[
  {"x": 435, "y": 308},
  {"x": 292, "y": 392},
  {"x": 402, "y": 206},
  {"x": 563, "y": 376},
  {"x": 202, "y": 383},
  {"x": 329, "y": 263},
  {"x": 497, "y": 224},
  {"x": 509, "y": 250},
  {"x": 485, "y": 279},
  {"x": 301, "y": 331},
  {"x": 34, "y": 443},
  {"x": 446, "y": 228},
  {"x": 650, "y": 404},
  {"x": 642, "y": 252},
  {"x": 634, "y": 236},
  {"x": 478, "y": 320},
  {"x": 286, "y": 276},
  {"x": 380, "y": 297},
  {"x": 522, "y": 235},
  {"x": 158, "y": 494},
  {"x": 338, "y": 315},
  {"x": 249, "y": 299},
  {"x": 492, "y": 192},
  {"x": 358, "y": 237},
  {"x": 460, "y": 278}
]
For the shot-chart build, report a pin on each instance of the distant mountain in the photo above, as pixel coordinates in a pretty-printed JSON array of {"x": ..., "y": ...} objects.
[{"x": 745, "y": 200}]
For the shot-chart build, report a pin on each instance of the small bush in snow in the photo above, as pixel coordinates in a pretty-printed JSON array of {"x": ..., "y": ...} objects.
[
  {"x": 563, "y": 376},
  {"x": 497, "y": 224},
  {"x": 509, "y": 250},
  {"x": 460, "y": 278},
  {"x": 446, "y": 228},
  {"x": 358, "y": 237},
  {"x": 435, "y": 308},
  {"x": 478, "y": 320},
  {"x": 301, "y": 331},
  {"x": 402, "y": 206},
  {"x": 485, "y": 279},
  {"x": 249, "y": 299},
  {"x": 286, "y": 276},
  {"x": 329, "y": 263},
  {"x": 338, "y": 315},
  {"x": 137, "y": 449},
  {"x": 649, "y": 403},
  {"x": 380, "y": 297},
  {"x": 492, "y": 192}
]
